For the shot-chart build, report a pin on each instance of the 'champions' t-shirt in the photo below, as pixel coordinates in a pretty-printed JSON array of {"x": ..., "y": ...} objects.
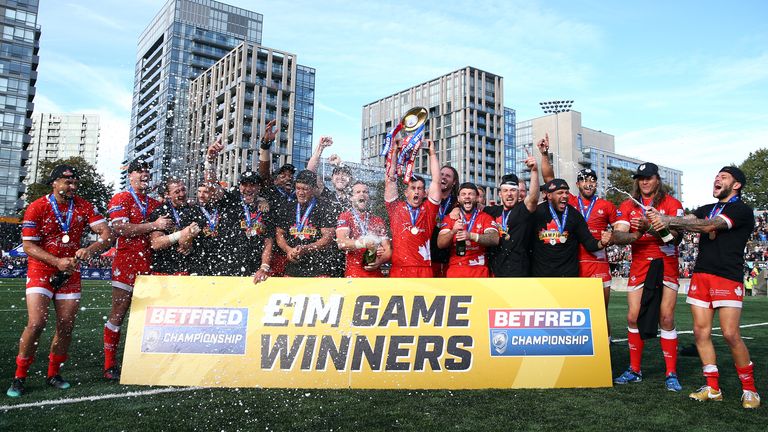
[{"x": 301, "y": 232}]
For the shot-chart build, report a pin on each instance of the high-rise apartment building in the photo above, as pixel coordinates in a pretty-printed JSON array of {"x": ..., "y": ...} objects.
[
  {"x": 18, "y": 74},
  {"x": 184, "y": 39},
  {"x": 573, "y": 147},
  {"x": 61, "y": 136},
  {"x": 466, "y": 122},
  {"x": 236, "y": 98}
]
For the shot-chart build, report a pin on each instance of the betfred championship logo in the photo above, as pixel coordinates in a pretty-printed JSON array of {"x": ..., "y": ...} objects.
[
  {"x": 540, "y": 332},
  {"x": 195, "y": 330}
]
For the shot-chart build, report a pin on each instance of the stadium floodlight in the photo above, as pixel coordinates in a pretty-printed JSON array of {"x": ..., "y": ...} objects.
[{"x": 556, "y": 107}]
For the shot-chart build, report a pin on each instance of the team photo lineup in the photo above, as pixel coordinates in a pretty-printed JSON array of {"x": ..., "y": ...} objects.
[{"x": 278, "y": 222}]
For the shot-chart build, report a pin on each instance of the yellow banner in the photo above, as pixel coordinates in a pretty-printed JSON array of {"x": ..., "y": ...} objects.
[{"x": 367, "y": 333}]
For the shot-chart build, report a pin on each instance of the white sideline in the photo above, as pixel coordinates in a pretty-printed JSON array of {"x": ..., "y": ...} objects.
[
  {"x": 713, "y": 334},
  {"x": 98, "y": 398}
]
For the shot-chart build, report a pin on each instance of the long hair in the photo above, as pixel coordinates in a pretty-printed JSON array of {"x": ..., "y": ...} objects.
[
  {"x": 657, "y": 198},
  {"x": 455, "y": 188}
]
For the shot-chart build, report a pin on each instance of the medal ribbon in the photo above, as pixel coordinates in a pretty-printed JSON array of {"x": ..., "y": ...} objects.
[
  {"x": 212, "y": 220},
  {"x": 175, "y": 215},
  {"x": 142, "y": 206},
  {"x": 414, "y": 212},
  {"x": 247, "y": 213},
  {"x": 589, "y": 209},
  {"x": 560, "y": 224},
  {"x": 412, "y": 147},
  {"x": 64, "y": 224},
  {"x": 717, "y": 209},
  {"x": 443, "y": 208},
  {"x": 302, "y": 220},
  {"x": 505, "y": 220},
  {"x": 289, "y": 196},
  {"x": 359, "y": 222},
  {"x": 469, "y": 225}
]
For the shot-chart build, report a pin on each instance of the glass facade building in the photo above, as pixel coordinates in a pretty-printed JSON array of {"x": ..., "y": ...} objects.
[
  {"x": 61, "y": 136},
  {"x": 184, "y": 39},
  {"x": 510, "y": 151},
  {"x": 19, "y": 60}
]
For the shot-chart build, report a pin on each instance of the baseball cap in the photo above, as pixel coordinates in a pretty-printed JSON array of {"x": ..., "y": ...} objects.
[
  {"x": 648, "y": 169},
  {"x": 510, "y": 180},
  {"x": 138, "y": 164},
  {"x": 555, "y": 184},
  {"x": 586, "y": 172},
  {"x": 468, "y": 185},
  {"x": 737, "y": 174},
  {"x": 63, "y": 171}
]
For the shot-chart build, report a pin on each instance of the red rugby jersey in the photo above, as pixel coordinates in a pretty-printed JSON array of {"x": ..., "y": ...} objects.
[
  {"x": 649, "y": 246},
  {"x": 603, "y": 213},
  {"x": 122, "y": 207},
  {"x": 409, "y": 249},
  {"x": 475, "y": 255},
  {"x": 375, "y": 226}
]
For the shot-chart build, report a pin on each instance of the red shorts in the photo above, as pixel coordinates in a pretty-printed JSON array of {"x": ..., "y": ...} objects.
[
  {"x": 39, "y": 282},
  {"x": 127, "y": 265},
  {"x": 710, "y": 291},
  {"x": 361, "y": 273},
  {"x": 596, "y": 269},
  {"x": 480, "y": 271},
  {"x": 411, "y": 272},
  {"x": 639, "y": 270}
]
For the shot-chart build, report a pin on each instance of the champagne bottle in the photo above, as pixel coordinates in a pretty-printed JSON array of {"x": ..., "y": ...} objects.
[
  {"x": 461, "y": 247},
  {"x": 369, "y": 257},
  {"x": 59, "y": 279},
  {"x": 665, "y": 235}
]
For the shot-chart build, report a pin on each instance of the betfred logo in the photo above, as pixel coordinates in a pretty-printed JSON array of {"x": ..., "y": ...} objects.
[
  {"x": 540, "y": 332},
  {"x": 191, "y": 316},
  {"x": 537, "y": 318},
  {"x": 195, "y": 330}
]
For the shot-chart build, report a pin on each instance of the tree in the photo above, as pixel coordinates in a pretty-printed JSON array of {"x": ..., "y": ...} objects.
[
  {"x": 755, "y": 168},
  {"x": 92, "y": 184}
]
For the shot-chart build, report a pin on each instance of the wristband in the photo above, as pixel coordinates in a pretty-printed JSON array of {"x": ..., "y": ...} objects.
[
  {"x": 265, "y": 267},
  {"x": 359, "y": 244},
  {"x": 265, "y": 145},
  {"x": 174, "y": 238}
]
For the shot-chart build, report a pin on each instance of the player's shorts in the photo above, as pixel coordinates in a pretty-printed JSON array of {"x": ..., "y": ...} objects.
[
  {"x": 126, "y": 266},
  {"x": 361, "y": 273},
  {"x": 639, "y": 270},
  {"x": 411, "y": 272},
  {"x": 710, "y": 291},
  {"x": 39, "y": 282},
  {"x": 596, "y": 269},
  {"x": 480, "y": 271}
]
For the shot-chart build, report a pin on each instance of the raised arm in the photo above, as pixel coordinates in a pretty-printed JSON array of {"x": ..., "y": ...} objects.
[
  {"x": 265, "y": 154},
  {"x": 314, "y": 161},
  {"x": 390, "y": 176},
  {"x": 434, "y": 170},
  {"x": 547, "y": 171},
  {"x": 532, "y": 199}
]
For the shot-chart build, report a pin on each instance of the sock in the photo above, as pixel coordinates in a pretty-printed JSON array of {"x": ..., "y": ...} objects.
[
  {"x": 636, "y": 344},
  {"x": 111, "y": 340},
  {"x": 712, "y": 375},
  {"x": 22, "y": 366},
  {"x": 747, "y": 377},
  {"x": 54, "y": 363},
  {"x": 669, "y": 348}
]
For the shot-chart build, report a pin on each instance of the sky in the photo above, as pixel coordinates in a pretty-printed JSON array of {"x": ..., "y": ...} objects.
[{"x": 681, "y": 83}]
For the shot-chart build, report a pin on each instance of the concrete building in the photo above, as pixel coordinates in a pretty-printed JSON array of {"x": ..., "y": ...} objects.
[
  {"x": 236, "y": 97},
  {"x": 61, "y": 136},
  {"x": 573, "y": 147},
  {"x": 19, "y": 59},
  {"x": 184, "y": 39},
  {"x": 466, "y": 122}
]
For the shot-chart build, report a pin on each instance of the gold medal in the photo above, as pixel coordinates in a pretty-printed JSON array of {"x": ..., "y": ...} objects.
[
  {"x": 506, "y": 236},
  {"x": 65, "y": 238},
  {"x": 563, "y": 239},
  {"x": 414, "y": 230}
]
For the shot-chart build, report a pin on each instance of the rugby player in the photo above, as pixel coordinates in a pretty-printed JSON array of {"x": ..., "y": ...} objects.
[
  {"x": 718, "y": 279},
  {"x": 654, "y": 266},
  {"x": 359, "y": 233},
  {"x": 514, "y": 219},
  {"x": 128, "y": 213},
  {"x": 449, "y": 190},
  {"x": 172, "y": 248},
  {"x": 52, "y": 231},
  {"x": 305, "y": 231},
  {"x": 559, "y": 229},
  {"x": 475, "y": 228},
  {"x": 412, "y": 220},
  {"x": 599, "y": 214},
  {"x": 210, "y": 243}
]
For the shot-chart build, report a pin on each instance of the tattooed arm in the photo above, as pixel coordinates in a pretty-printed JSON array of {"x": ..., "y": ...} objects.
[{"x": 693, "y": 224}]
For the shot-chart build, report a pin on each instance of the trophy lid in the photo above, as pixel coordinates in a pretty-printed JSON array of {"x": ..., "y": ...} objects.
[{"x": 414, "y": 118}]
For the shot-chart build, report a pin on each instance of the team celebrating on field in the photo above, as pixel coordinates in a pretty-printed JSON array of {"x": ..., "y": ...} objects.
[{"x": 290, "y": 224}]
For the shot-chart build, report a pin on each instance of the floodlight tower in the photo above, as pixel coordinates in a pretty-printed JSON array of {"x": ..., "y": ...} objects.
[{"x": 556, "y": 107}]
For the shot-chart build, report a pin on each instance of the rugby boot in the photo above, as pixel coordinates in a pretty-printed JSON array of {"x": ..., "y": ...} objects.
[
  {"x": 17, "y": 388},
  {"x": 629, "y": 376},
  {"x": 112, "y": 374},
  {"x": 58, "y": 382},
  {"x": 672, "y": 383},
  {"x": 750, "y": 399},
  {"x": 706, "y": 393}
]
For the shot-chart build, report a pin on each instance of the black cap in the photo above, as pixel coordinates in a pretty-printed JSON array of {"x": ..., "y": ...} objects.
[
  {"x": 510, "y": 180},
  {"x": 555, "y": 184},
  {"x": 737, "y": 174},
  {"x": 468, "y": 185},
  {"x": 250, "y": 177},
  {"x": 342, "y": 169},
  {"x": 307, "y": 177},
  {"x": 287, "y": 167},
  {"x": 585, "y": 173},
  {"x": 62, "y": 171},
  {"x": 648, "y": 169},
  {"x": 138, "y": 164}
]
